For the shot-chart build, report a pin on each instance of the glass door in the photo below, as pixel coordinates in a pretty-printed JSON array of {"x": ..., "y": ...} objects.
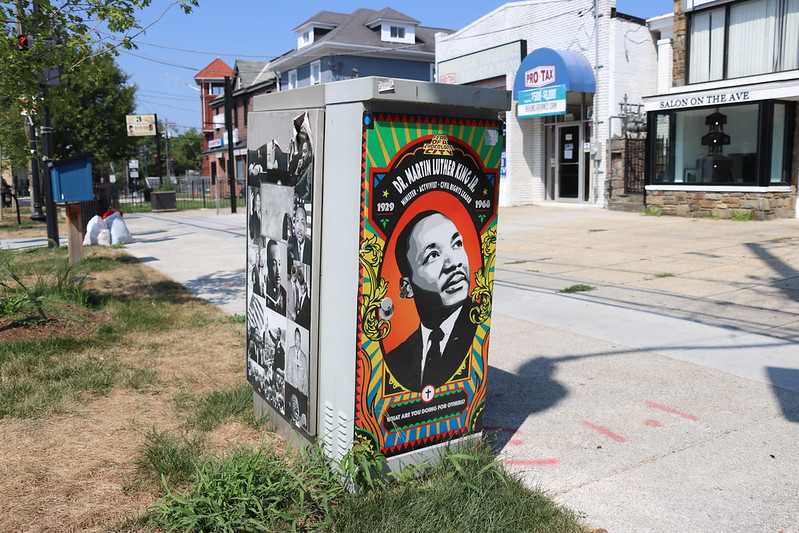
[{"x": 568, "y": 185}]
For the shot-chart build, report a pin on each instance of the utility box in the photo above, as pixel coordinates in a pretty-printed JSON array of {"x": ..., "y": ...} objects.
[
  {"x": 72, "y": 180},
  {"x": 372, "y": 213}
]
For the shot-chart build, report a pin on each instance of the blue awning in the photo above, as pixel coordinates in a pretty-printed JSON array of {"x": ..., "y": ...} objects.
[{"x": 546, "y": 66}]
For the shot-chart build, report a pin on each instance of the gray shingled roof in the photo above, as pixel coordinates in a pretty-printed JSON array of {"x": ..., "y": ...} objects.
[
  {"x": 351, "y": 29},
  {"x": 249, "y": 71},
  {"x": 391, "y": 14}
]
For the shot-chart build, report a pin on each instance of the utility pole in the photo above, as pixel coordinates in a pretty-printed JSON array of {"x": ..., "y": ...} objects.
[
  {"x": 36, "y": 194},
  {"x": 231, "y": 164}
]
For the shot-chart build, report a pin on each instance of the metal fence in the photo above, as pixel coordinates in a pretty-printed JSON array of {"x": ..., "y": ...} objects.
[
  {"x": 634, "y": 165},
  {"x": 191, "y": 192}
]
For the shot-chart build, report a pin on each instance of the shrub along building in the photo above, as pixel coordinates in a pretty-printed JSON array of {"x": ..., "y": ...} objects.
[
  {"x": 578, "y": 71},
  {"x": 722, "y": 138}
]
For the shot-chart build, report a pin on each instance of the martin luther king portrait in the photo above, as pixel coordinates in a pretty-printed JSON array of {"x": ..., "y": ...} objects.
[{"x": 434, "y": 269}]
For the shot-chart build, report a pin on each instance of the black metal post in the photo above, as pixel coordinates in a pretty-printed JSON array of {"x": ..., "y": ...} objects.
[
  {"x": 47, "y": 147},
  {"x": 158, "y": 151},
  {"x": 36, "y": 184},
  {"x": 231, "y": 164}
]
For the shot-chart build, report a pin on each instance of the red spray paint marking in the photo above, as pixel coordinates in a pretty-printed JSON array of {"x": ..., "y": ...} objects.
[
  {"x": 671, "y": 411},
  {"x": 605, "y": 431},
  {"x": 534, "y": 462},
  {"x": 654, "y": 423},
  {"x": 516, "y": 442}
]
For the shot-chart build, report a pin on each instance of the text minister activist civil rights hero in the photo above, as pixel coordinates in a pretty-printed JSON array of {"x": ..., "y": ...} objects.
[{"x": 435, "y": 272}]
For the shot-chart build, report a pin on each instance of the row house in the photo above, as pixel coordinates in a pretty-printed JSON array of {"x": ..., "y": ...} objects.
[
  {"x": 247, "y": 79},
  {"x": 330, "y": 47}
]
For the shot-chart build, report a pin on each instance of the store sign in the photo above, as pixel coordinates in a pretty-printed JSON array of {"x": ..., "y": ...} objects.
[
  {"x": 733, "y": 95},
  {"x": 540, "y": 76},
  {"x": 542, "y": 102},
  {"x": 216, "y": 143},
  {"x": 483, "y": 65},
  {"x": 141, "y": 125}
]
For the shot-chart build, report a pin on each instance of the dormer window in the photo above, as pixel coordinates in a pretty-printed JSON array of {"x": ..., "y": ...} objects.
[
  {"x": 311, "y": 31},
  {"x": 395, "y": 33},
  {"x": 305, "y": 38}
]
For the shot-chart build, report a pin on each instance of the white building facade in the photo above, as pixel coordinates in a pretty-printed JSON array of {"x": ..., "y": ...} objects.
[{"x": 570, "y": 65}]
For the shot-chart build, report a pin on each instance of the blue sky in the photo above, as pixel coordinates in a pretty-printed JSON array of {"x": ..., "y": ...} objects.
[{"x": 177, "y": 46}]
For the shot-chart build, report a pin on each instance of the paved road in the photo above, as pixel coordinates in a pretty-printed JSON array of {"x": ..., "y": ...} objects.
[{"x": 665, "y": 400}]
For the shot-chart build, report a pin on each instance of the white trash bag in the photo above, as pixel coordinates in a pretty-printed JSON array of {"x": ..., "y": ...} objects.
[
  {"x": 95, "y": 225},
  {"x": 104, "y": 238},
  {"x": 120, "y": 234}
]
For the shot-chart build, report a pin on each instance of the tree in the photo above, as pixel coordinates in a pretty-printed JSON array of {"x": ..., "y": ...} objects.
[
  {"x": 186, "y": 150},
  {"x": 88, "y": 112},
  {"x": 62, "y": 33},
  {"x": 13, "y": 139}
]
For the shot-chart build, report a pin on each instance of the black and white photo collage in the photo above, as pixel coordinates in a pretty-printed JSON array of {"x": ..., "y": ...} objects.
[{"x": 280, "y": 187}]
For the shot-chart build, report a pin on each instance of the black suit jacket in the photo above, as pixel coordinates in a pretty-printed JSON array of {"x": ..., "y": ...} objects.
[
  {"x": 405, "y": 361},
  {"x": 294, "y": 250}
]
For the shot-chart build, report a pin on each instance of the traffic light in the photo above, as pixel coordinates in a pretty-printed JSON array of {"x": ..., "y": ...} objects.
[
  {"x": 171, "y": 166},
  {"x": 22, "y": 42},
  {"x": 143, "y": 151}
]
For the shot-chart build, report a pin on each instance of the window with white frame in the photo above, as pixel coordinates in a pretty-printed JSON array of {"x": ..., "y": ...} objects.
[
  {"x": 316, "y": 72},
  {"x": 395, "y": 33},
  {"x": 305, "y": 38},
  {"x": 292, "y": 79},
  {"x": 743, "y": 39}
]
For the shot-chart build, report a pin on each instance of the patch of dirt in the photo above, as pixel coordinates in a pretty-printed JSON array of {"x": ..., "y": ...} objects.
[
  {"x": 75, "y": 471},
  {"x": 78, "y": 323}
]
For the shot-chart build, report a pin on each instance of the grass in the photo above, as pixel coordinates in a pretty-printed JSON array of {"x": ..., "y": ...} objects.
[
  {"x": 467, "y": 491},
  {"x": 211, "y": 411},
  {"x": 664, "y": 275},
  {"x": 652, "y": 212},
  {"x": 170, "y": 458},
  {"x": 742, "y": 216},
  {"x": 577, "y": 288},
  {"x": 110, "y": 326},
  {"x": 248, "y": 490}
]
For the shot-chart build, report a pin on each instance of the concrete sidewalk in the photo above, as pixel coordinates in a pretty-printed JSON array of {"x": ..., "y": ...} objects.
[
  {"x": 665, "y": 400},
  {"x": 199, "y": 249}
]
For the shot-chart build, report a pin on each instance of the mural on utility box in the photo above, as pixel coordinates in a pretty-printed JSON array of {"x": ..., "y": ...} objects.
[
  {"x": 427, "y": 251},
  {"x": 280, "y": 179}
]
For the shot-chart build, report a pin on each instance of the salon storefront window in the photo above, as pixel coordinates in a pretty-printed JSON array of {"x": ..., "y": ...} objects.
[{"x": 742, "y": 145}]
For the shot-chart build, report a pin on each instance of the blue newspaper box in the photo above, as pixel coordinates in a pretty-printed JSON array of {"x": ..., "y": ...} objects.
[{"x": 72, "y": 180}]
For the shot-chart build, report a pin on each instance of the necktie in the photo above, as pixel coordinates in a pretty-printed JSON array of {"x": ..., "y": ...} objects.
[{"x": 433, "y": 355}]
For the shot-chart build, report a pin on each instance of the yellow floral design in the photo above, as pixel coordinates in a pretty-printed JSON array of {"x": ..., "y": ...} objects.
[
  {"x": 483, "y": 278},
  {"x": 375, "y": 289}
]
